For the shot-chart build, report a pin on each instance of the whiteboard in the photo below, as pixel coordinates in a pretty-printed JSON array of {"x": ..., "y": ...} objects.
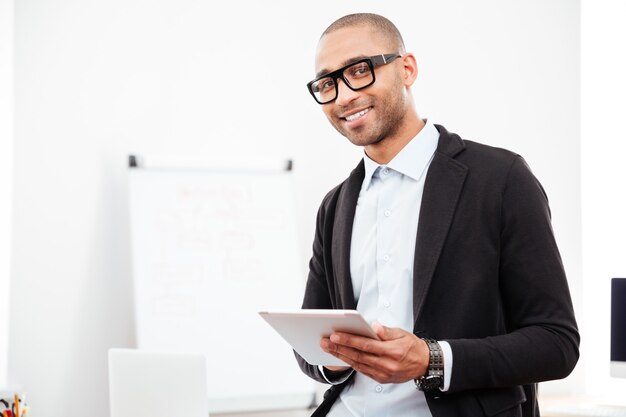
[{"x": 212, "y": 247}]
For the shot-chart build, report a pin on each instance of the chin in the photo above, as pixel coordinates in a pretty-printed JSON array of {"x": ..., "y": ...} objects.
[
  {"x": 358, "y": 139},
  {"x": 363, "y": 140}
]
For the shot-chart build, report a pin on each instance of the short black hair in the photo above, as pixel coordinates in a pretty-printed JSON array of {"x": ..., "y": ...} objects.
[{"x": 377, "y": 22}]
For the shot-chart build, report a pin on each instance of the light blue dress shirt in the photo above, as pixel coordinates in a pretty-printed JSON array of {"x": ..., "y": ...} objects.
[{"x": 381, "y": 266}]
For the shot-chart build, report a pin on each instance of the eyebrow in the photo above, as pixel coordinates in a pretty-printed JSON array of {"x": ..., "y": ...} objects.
[{"x": 348, "y": 61}]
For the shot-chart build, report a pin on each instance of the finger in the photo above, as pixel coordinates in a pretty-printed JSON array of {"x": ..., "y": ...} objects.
[
  {"x": 388, "y": 333},
  {"x": 357, "y": 356},
  {"x": 376, "y": 374},
  {"x": 325, "y": 344},
  {"x": 365, "y": 344},
  {"x": 328, "y": 346},
  {"x": 336, "y": 368},
  {"x": 382, "y": 369}
]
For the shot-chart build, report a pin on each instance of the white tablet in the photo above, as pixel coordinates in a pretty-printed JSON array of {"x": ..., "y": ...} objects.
[{"x": 303, "y": 330}]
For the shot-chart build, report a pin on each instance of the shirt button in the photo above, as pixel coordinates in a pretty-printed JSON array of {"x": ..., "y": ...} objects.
[
  {"x": 387, "y": 304},
  {"x": 379, "y": 388},
  {"x": 385, "y": 171},
  {"x": 386, "y": 257},
  {"x": 387, "y": 213}
]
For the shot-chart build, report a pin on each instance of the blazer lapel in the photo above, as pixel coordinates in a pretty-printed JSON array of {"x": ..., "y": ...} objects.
[
  {"x": 444, "y": 182},
  {"x": 342, "y": 235}
]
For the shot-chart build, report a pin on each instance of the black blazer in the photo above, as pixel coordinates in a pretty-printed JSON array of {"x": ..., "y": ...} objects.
[{"x": 487, "y": 278}]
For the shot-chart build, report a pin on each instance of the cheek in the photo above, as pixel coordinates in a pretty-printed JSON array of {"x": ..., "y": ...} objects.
[{"x": 328, "y": 112}]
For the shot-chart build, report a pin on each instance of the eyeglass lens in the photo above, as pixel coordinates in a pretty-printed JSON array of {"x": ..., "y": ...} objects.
[{"x": 358, "y": 75}]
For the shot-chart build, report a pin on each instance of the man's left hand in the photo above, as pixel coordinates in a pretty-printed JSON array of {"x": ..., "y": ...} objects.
[{"x": 397, "y": 357}]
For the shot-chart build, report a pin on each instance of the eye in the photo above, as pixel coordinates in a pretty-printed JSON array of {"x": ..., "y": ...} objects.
[
  {"x": 324, "y": 85},
  {"x": 359, "y": 70}
]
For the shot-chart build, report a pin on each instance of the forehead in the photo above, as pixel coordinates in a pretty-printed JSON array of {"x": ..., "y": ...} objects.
[{"x": 340, "y": 46}]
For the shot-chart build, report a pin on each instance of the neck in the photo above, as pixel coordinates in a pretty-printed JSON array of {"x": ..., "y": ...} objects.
[{"x": 385, "y": 150}]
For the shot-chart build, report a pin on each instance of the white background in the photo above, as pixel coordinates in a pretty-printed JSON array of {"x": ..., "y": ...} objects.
[
  {"x": 97, "y": 80},
  {"x": 603, "y": 183},
  {"x": 6, "y": 173}
]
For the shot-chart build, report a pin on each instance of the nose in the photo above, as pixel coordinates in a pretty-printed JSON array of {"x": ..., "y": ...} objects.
[{"x": 345, "y": 94}]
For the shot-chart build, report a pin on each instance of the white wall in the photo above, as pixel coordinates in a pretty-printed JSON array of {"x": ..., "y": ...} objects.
[
  {"x": 97, "y": 80},
  {"x": 6, "y": 174},
  {"x": 603, "y": 183}
]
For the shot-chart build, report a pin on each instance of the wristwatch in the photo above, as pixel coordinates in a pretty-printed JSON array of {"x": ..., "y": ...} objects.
[{"x": 433, "y": 379}]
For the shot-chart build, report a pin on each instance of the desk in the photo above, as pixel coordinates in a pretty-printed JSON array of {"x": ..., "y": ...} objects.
[
  {"x": 545, "y": 403},
  {"x": 581, "y": 406},
  {"x": 276, "y": 413}
]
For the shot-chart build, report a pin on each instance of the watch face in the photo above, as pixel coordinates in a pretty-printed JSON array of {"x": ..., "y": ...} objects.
[{"x": 430, "y": 383}]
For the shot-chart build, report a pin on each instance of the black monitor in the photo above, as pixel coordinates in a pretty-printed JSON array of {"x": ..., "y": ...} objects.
[{"x": 618, "y": 327}]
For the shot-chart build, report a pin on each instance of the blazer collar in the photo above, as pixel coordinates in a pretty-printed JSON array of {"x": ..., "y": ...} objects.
[
  {"x": 342, "y": 235},
  {"x": 450, "y": 144},
  {"x": 442, "y": 189}
]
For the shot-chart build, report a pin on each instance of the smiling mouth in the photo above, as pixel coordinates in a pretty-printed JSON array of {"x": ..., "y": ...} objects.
[{"x": 357, "y": 115}]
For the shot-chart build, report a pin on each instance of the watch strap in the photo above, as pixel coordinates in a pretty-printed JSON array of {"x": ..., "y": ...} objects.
[
  {"x": 435, "y": 363},
  {"x": 433, "y": 379}
]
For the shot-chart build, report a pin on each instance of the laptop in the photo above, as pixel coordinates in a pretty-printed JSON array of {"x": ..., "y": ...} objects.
[{"x": 157, "y": 384}]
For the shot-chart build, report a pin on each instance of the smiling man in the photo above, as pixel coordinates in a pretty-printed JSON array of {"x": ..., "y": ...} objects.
[{"x": 444, "y": 244}]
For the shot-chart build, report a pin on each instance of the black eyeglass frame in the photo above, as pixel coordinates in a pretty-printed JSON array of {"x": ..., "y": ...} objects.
[{"x": 372, "y": 62}]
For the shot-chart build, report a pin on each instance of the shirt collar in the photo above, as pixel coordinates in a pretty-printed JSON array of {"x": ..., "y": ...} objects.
[{"x": 412, "y": 160}]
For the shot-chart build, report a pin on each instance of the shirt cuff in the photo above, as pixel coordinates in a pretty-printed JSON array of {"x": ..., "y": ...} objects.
[
  {"x": 447, "y": 365},
  {"x": 336, "y": 381}
]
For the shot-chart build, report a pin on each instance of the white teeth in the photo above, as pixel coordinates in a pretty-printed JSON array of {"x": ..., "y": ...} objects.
[{"x": 356, "y": 115}]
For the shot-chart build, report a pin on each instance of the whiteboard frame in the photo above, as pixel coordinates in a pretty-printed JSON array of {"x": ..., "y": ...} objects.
[{"x": 299, "y": 396}]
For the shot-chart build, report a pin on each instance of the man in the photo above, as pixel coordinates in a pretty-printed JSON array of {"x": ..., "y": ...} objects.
[{"x": 445, "y": 244}]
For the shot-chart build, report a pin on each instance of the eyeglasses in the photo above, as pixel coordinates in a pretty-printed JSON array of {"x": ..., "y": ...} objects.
[{"x": 356, "y": 76}]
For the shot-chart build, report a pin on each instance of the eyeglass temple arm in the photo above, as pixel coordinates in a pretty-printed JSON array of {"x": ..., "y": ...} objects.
[{"x": 385, "y": 58}]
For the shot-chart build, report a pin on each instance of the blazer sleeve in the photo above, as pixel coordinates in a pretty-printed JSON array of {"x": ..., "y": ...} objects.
[
  {"x": 541, "y": 340},
  {"x": 316, "y": 295}
]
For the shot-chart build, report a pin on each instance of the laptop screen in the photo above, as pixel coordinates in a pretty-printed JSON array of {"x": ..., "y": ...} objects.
[
  {"x": 157, "y": 384},
  {"x": 618, "y": 327}
]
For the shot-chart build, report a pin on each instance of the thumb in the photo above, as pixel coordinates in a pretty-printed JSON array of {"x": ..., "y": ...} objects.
[{"x": 387, "y": 333}]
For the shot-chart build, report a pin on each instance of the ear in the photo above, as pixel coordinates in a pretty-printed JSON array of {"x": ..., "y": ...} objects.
[{"x": 410, "y": 68}]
